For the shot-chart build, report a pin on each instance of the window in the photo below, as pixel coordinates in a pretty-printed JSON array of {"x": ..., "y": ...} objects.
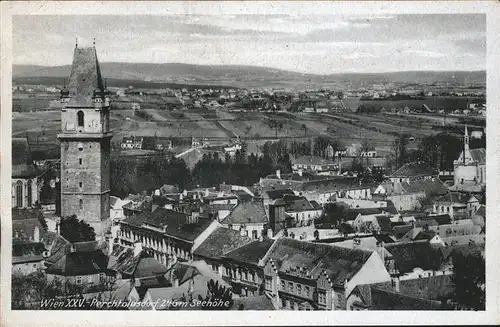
[
  {"x": 89, "y": 279},
  {"x": 81, "y": 204},
  {"x": 78, "y": 280},
  {"x": 80, "y": 160},
  {"x": 290, "y": 286},
  {"x": 283, "y": 286},
  {"x": 29, "y": 195},
  {"x": 308, "y": 291},
  {"x": 228, "y": 273},
  {"x": 338, "y": 300},
  {"x": 254, "y": 234},
  {"x": 80, "y": 184},
  {"x": 322, "y": 297},
  {"x": 245, "y": 275},
  {"x": 252, "y": 277},
  {"x": 80, "y": 118},
  {"x": 299, "y": 289},
  {"x": 19, "y": 194},
  {"x": 283, "y": 304},
  {"x": 287, "y": 304},
  {"x": 269, "y": 284}
]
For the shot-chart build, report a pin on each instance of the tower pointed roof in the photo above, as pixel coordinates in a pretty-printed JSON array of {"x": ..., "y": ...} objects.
[{"x": 85, "y": 77}]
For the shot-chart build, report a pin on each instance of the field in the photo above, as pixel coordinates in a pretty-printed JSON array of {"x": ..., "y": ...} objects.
[
  {"x": 448, "y": 103},
  {"x": 254, "y": 127}
]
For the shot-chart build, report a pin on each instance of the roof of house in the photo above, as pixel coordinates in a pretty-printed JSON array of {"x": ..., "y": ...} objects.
[
  {"x": 478, "y": 155},
  {"x": 418, "y": 254},
  {"x": 327, "y": 185},
  {"x": 400, "y": 231},
  {"x": 57, "y": 245},
  {"x": 439, "y": 219},
  {"x": 250, "y": 253},
  {"x": 27, "y": 252},
  {"x": 247, "y": 213},
  {"x": 384, "y": 223},
  {"x": 432, "y": 186},
  {"x": 279, "y": 194},
  {"x": 298, "y": 204},
  {"x": 22, "y": 163},
  {"x": 338, "y": 262},
  {"x": 142, "y": 265},
  {"x": 174, "y": 223},
  {"x": 259, "y": 302},
  {"x": 414, "y": 169},
  {"x": 24, "y": 223},
  {"x": 80, "y": 263},
  {"x": 220, "y": 242},
  {"x": 85, "y": 77},
  {"x": 454, "y": 197}
]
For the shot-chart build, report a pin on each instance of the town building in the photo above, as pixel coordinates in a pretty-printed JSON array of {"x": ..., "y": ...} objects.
[
  {"x": 249, "y": 218},
  {"x": 311, "y": 276},
  {"x": 85, "y": 143},
  {"x": 166, "y": 232}
]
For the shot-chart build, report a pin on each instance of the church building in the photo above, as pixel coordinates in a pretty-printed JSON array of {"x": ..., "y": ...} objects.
[
  {"x": 85, "y": 143},
  {"x": 470, "y": 168}
]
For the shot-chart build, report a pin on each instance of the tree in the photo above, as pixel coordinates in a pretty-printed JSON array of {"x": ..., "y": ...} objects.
[
  {"x": 75, "y": 230},
  {"x": 441, "y": 150},
  {"x": 333, "y": 213},
  {"x": 399, "y": 147},
  {"x": 468, "y": 280},
  {"x": 276, "y": 125},
  {"x": 217, "y": 293}
]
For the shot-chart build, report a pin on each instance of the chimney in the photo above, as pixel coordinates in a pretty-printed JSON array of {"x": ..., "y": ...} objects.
[
  {"x": 396, "y": 284},
  {"x": 72, "y": 248},
  {"x": 137, "y": 248},
  {"x": 269, "y": 233},
  {"x": 278, "y": 174}
]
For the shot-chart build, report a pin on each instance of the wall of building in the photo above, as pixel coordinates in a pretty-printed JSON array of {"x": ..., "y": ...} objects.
[{"x": 27, "y": 268}]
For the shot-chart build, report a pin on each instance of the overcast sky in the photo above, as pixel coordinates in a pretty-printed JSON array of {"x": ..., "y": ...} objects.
[{"x": 320, "y": 44}]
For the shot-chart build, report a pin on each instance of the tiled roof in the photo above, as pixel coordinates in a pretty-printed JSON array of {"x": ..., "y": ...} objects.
[
  {"x": 85, "y": 77},
  {"x": 221, "y": 241},
  {"x": 279, "y": 194},
  {"x": 251, "y": 252},
  {"x": 80, "y": 263},
  {"x": 414, "y": 169},
  {"x": 439, "y": 219},
  {"x": 174, "y": 223},
  {"x": 454, "y": 197},
  {"x": 22, "y": 163},
  {"x": 420, "y": 254},
  {"x": 247, "y": 213},
  {"x": 140, "y": 266},
  {"x": 385, "y": 223},
  {"x": 382, "y": 299},
  {"x": 478, "y": 155},
  {"x": 259, "y": 302},
  {"x": 297, "y": 204},
  {"x": 338, "y": 262},
  {"x": 331, "y": 184}
]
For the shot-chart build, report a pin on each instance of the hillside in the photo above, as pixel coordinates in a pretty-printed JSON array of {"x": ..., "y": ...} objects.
[{"x": 244, "y": 75}]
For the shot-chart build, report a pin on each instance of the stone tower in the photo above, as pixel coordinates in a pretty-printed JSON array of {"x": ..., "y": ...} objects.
[{"x": 85, "y": 143}]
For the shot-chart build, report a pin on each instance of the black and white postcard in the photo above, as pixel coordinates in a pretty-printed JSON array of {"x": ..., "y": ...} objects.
[{"x": 164, "y": 159}]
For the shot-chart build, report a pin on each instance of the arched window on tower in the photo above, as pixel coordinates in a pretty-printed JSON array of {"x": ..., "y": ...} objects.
[
  {"x": 29, "y": 190},
  {"x": 80, "y": 118},
  {"x": 19, "y": 194},
  {"x": 81, "y": 204}
]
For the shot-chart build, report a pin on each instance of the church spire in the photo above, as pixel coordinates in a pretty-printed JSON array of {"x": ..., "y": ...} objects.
[{"x": 466, "y": 142}]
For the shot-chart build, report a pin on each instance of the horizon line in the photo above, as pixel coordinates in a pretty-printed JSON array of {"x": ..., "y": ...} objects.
[{"x": 267, "y": 67}]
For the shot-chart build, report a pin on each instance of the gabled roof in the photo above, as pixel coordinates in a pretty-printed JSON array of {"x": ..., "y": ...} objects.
[
  {"x": 478, "y": 155},
  {"x": 419, "y": 254},
  {"x": 80, "y": 263},
  {"x": 339, "y": 263},
  {"x": 247, "y": 213},
  {"x": 143, "y": 265},
  {"x": 414, "y": 169},
  {"x": 85, "y": 77},
  {"x": 384, "y": 223},
  {"x": 279, "y": 194},
  {"x": 439, "y": 219},
  {"x": 251, "y": 252},
  {"x": 22, "y": 163},
  {"x": 220, "y": 242},
  {"x": 454, "y": 197},
  {"x": 297, "y": 204}
]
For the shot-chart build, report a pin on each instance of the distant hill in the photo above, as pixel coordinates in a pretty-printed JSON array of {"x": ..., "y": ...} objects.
[{"x": 243, "y": 75}]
